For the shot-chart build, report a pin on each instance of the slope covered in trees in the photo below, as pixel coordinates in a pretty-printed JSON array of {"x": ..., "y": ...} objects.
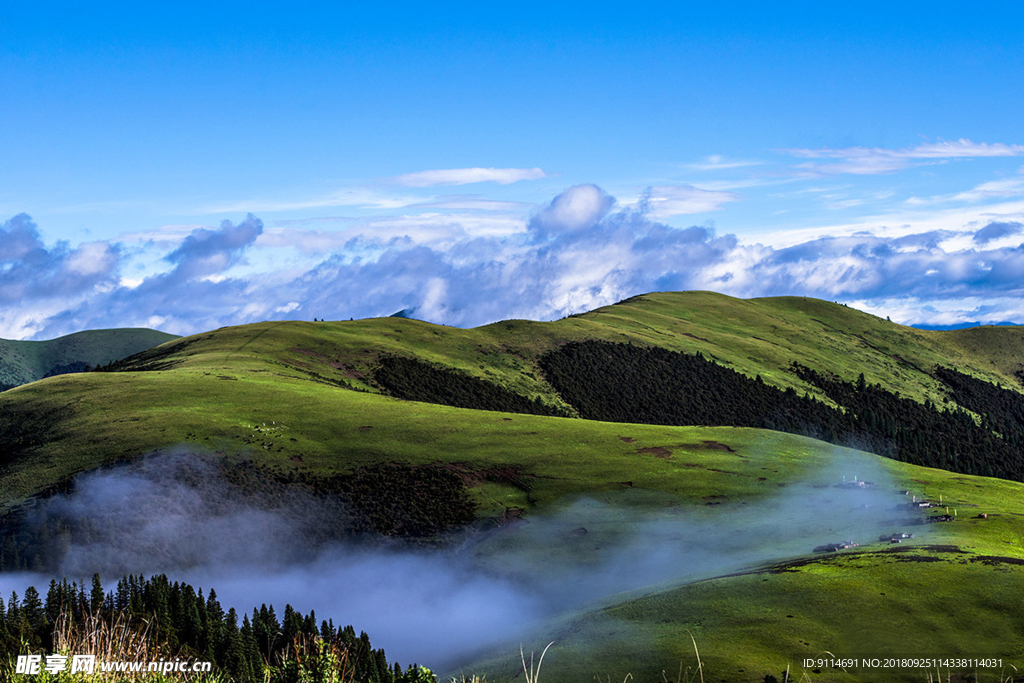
[
  {"x": 415, "y": 380},
  {"x": 626, "y": 383}
]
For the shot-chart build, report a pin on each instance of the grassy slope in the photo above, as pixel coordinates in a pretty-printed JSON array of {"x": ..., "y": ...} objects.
[
  {"x": 873, "y": 605},
  {"x": 286, "y": 375},
  {"x": 762, "y": 336},
  {"x": 27, "y": 361},
  {"x": 907, "y": 600}
]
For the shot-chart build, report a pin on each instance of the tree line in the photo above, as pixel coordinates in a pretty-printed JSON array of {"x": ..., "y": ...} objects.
[{"x": 181, "y": 622}]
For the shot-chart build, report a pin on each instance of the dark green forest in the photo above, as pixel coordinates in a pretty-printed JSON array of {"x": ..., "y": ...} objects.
[
  {"x": 627, "y": 383},
  {"x": 191, "y": 626},
  {"x": 414, "y": 380}
]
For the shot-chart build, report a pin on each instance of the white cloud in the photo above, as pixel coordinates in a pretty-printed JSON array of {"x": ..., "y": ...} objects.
[
  {"x": 465, "y": 176},
  {"x": 663, "y": 201},
  {"x": 359, "y": 197},
  {"x": 900, "y": 223},
  {"x": 716, "y": 162},
  {"x": 879, "y": 160},
  {"x": 581, "y": 206},
  {"x": 995, "y": 189},
  {"x": 92, "y": 258},
  {"x": 578, "y": 252},
  {"x": 964, "y": 148}
]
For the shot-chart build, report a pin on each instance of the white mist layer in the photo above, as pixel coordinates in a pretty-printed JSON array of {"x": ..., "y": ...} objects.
[{"x": 173, "y": 515}]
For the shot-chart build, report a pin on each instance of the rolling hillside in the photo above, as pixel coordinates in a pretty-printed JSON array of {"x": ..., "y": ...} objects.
[
  {"x": 22, "y": 362},
  {"x": 209, "y": 388}
]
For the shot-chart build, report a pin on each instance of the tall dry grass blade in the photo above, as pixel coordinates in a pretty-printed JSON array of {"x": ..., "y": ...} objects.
[
  {"x": 700, "y": 665},
  {"x": 531, "y": 675}
]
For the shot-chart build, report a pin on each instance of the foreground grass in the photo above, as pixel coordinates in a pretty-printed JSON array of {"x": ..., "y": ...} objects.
[
  {"x": 921, "y": 603},
  {"x": 108, "y": 640}
]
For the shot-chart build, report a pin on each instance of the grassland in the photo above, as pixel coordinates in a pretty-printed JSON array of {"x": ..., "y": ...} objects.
[
  {"x": 952, "y": 591},
  {"x": 299, "y": 397}
]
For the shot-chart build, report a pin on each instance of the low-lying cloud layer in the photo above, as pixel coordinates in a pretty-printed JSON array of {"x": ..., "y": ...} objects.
[
  {"x": 177, "y": 514},
  {"x": 579, "y": 251}
]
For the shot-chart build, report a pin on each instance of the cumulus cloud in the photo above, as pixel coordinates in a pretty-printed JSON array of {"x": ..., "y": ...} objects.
[
  {"x": 207, "y": 252},
  {"x": 579, "y": 207},
  {"x": 996, "y": 230},
  {"x": 36, "y": 280},
  {"x": 466, "y": 176}
]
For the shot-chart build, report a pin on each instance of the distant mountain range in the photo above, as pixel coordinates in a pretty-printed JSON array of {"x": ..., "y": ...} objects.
[{"x": 22, "y": 362}]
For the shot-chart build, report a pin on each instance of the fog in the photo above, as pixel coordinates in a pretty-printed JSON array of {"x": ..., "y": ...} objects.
[{"x": 176, "y": 514}]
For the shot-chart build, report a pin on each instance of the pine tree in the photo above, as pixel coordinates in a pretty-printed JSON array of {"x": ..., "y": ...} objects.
[
  {"x": 33, "y": 612},
  {"x": 232, "y": 655},
  {"x": 96, "y": 596}
]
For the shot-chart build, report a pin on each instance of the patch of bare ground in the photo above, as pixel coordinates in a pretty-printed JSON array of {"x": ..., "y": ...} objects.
[
  {"x": 509, "y": 475},
  {"x": 344, "y": 369},
  {"x": 656, "y": 451}
]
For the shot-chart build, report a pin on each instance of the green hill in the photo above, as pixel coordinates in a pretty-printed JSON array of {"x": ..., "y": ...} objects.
[
  {"x": 207, "y": 387},
  {"x": 312, "y": 402},
  {"x": 755, "y": 337},
  {"x": 22, "y": 362}
]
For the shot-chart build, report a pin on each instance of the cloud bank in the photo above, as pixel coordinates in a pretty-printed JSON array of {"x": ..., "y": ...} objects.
[{"x": 581, "y": 250}]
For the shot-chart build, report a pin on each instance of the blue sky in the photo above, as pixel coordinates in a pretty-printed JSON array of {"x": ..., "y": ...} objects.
[{"x": 188, "y": 167}]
